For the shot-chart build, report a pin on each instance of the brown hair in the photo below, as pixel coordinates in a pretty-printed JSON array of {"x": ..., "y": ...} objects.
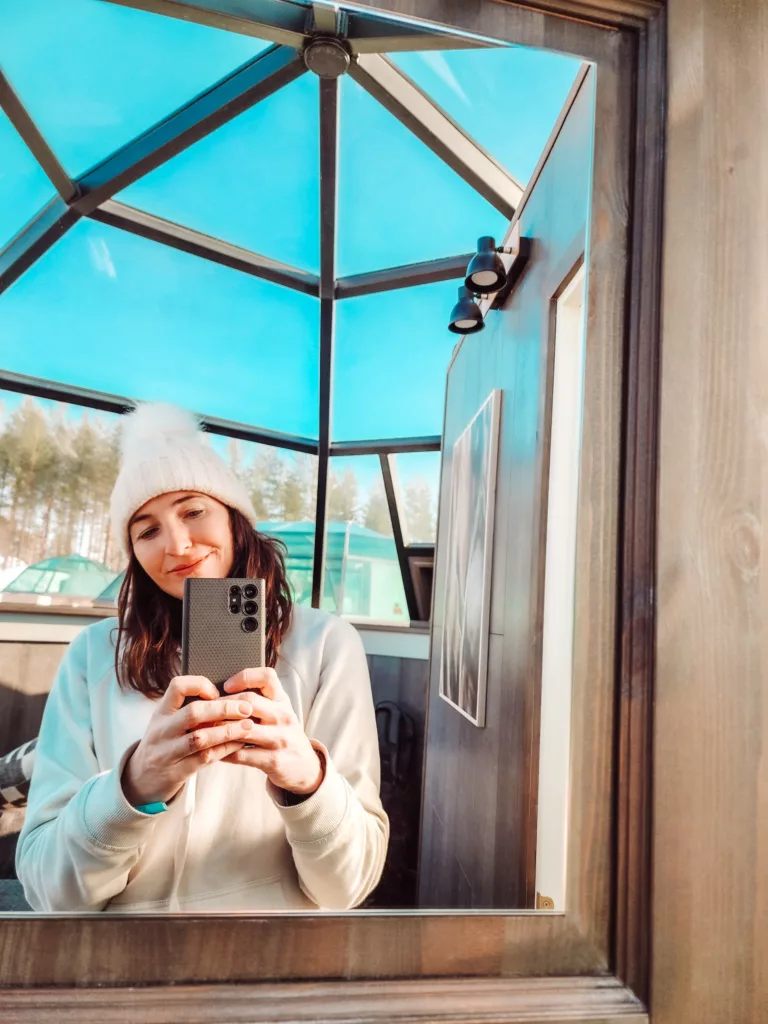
[{"x": 149, "y": 620}]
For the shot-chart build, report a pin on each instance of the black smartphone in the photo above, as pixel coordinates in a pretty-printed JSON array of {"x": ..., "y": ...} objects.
[{"x": 223, "y": 628}]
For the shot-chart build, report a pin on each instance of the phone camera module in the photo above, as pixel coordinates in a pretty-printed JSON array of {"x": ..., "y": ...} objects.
[
  {"x": 234, "y": 590},
  {"x": 249, "y": 625},
  {"x": 250, "y": 607},
  {"x": 249, "y": 590}
]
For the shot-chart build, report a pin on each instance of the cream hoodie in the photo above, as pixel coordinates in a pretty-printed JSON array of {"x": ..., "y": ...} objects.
[{"x": 226, "y": 841}]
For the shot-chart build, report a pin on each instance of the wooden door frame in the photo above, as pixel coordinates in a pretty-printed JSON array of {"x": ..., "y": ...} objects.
[{"x": 590, "y": 963}]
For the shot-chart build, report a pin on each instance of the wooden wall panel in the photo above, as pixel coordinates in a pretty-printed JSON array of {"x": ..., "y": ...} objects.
[
  {"x": 710, "y": 942},
  {"x": 479, "y": 783}
]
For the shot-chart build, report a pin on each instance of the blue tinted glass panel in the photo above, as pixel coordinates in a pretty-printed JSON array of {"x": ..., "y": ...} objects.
[
  {"x": 147, "y": 321},
  {"x": 24, "y": 186},
  {"x": 398, "y": 202},
  {"x": 507, "y": 99},
  {"x": 418, "y": 478},
  {"x": 362, "y": 574},
  {"x": 94, "y": 75},
  {"x": 254, "y": 182},
  {"x": 391, "y": 356}
]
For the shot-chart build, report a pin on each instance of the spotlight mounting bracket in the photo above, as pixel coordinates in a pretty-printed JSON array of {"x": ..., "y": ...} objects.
[{"x": 519, "y": 263}]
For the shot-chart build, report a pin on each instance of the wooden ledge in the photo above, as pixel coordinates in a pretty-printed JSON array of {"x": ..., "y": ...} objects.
[{"x": 464, "y": 1001}]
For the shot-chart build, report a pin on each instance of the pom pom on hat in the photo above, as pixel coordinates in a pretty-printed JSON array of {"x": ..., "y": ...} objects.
[
  {"x": 151, "y": 420},
  {"x": 163, "y": 450}
]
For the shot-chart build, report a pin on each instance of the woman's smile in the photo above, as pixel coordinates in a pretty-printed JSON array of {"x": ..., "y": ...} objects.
[{"x": 189, "y": 567}]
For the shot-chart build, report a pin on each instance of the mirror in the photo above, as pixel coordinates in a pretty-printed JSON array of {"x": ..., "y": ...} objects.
[{"x": 282, "y": 256}]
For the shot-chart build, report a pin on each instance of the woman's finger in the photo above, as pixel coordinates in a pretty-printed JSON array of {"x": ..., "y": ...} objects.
[
  {"x": 262, "y": 679},
  {"x": 222, "y": 752},
  {"x": 200, "y": 742},
  {"x": 204, "y": 712},
  {"x": 182, "y": 687},
  {"x": 267, "y": 737},
  {"x": 269, "y": 712},
  {"x": 253, "y": 757}
]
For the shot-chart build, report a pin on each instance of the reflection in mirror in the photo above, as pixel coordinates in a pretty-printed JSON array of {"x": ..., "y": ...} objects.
[{"x": 390, "y": 730}]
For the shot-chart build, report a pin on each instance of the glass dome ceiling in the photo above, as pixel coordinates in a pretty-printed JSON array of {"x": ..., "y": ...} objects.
[{"x": 264, "y": 217}]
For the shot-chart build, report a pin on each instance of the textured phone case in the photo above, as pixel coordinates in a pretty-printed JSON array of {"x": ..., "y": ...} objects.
[{"x": 214, "y": 643}]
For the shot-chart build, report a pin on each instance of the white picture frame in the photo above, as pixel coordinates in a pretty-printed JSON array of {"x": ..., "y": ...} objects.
[{"x": 471, "y": 506}]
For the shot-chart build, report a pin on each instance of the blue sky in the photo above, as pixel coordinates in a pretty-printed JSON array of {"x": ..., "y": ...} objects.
[{"x": 111, "y": 311}]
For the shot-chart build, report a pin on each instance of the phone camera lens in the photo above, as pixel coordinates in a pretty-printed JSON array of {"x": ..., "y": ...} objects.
[
  {"x": 249, "y": 590},
  {"x": 249, "y": 625},
  {"x": 235, "y": 591},
  {"x": 249, "y": 607},
  {"x": 234, "y": 607}
]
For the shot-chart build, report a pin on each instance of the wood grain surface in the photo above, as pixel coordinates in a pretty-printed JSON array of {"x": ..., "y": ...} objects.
[
  {"x": 475, "y": 1001},
  {"x": 168, "y": 951},
  {"x": 710, "y": 909}
]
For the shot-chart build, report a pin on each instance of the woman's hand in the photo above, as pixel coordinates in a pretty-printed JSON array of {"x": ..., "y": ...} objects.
[
  {"x": 179, "y": 740},
  {"x": 278, "y": 744}
]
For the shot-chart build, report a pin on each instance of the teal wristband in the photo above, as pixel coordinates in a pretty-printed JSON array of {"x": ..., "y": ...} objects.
[{"x": 155, "y": 808}]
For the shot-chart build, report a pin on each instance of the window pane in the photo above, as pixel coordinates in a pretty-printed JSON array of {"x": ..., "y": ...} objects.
[
  {"x": 398, "y": 202},
  {"x": 108, "y": 310},
  {"x": 253, "y": 182},
  {"x": 24, "y": 185},
  {"x": 507, "y": 99},
  {"x": 59, "y": 464},
  {"x": 94, "y": 75},
  {"x": 283, "y": 488},
  {"x": 391, "y": 356},
  {"x": 418, "y": 479},
  {"x": 362, "y": 573}
]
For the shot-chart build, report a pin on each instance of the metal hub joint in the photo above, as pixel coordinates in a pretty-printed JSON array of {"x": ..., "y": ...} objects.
[{"x": 327, "y": 57}]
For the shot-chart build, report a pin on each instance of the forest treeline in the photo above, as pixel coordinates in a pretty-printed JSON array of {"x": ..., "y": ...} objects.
[{"x": 57, "y": 472}]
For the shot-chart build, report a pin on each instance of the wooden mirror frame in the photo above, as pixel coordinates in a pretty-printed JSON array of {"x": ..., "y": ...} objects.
[{"x": 591, "y": 962}]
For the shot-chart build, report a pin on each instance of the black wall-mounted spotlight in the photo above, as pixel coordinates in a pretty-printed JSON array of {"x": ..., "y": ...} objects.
[
  {"x": 486, "y": 273},
  {"x": 466, "y": 317}
]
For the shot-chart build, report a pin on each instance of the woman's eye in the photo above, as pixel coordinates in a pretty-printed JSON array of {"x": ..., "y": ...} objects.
[
  {"x": 147, "y": 533},
  {"x": 195, "y": 513}
]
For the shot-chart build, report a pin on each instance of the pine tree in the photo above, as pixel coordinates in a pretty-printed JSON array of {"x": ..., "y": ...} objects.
[
  {"x": 376, "y": 515},
  {"x": 342, "y": 497},
  {"x": 419, "y": 511}
]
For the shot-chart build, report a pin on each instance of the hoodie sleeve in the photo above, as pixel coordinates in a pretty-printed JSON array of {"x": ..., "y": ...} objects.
[
  {"x": 339, "y": 834},
  {"x": 80, "y": 837}
]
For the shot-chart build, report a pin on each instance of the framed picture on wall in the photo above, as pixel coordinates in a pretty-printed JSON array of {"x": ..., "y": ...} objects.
[{"x": 464, "y": 650}]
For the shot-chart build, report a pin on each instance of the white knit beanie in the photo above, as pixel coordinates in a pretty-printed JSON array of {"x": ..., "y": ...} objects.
[{"x": 164, "y": 450}]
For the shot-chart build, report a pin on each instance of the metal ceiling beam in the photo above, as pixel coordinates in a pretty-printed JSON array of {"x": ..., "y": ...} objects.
[
  {"x": 274, "y": 21},
  {"x": 387, "y": 446},
  {"x": 330, "y": 21},
  {"x": 389, "y": 473},
  {"x": 282, "y": 22},
  {"x": 249, "y": 84},
  {"x": 403, "y": 98},
  {"x": 117, "y": 404},
  {"x": 329, "y": 164},
  {"x": 409, "y": 276},
  {"x": 411, "y": 43},
  {"x": 118, "y": 215},
  {"x": 18, "y": 116},
  {"x": 35, "y": 239}
]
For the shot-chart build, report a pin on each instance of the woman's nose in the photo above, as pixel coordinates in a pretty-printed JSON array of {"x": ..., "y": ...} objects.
[{"x": 177, "y": 539}]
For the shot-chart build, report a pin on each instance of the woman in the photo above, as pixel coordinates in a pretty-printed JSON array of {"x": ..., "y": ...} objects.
[{"x": 266, "y": 799}]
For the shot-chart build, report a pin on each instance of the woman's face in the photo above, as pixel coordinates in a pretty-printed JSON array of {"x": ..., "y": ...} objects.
[{"x": 182, "y": 534}]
